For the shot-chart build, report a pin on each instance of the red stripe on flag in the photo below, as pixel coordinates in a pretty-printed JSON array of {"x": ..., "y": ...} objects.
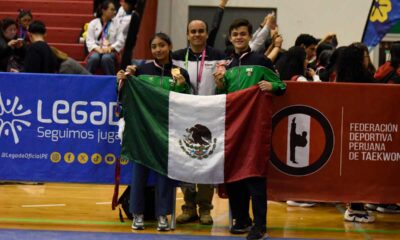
[{"x": 247, "y": 134}]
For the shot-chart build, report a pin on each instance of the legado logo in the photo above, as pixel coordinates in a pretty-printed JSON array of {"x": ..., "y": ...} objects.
[
  {"x": 302, "y": 140},
  {"x": 58, "y": 119},
  {"x": 11, "y": 113}
]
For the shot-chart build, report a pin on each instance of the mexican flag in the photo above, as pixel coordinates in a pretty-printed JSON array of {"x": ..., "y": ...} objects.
[{"x": 197, "y": 139}]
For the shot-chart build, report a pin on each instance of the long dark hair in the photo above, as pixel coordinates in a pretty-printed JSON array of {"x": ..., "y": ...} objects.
[
  {"x": 331, "y": 67},
  {"x": 161, "y": 36},
  {"x": 293, "y": 63},
  {"x": 350, "y": 66},
  {"x": 395, "y": 54},
  {"x": 371, "y": 67}
]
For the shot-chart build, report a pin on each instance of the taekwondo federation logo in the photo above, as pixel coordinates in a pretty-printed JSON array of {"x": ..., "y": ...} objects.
[
  {"x": 302, "y": 140},
  {"x": 11, "y": 113},
  {"x": 198, "y": 143}
]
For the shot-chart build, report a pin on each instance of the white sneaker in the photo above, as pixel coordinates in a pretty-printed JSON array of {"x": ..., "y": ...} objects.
[
  {"x": 300, "y": 203},
  {"x": 358, "y": 216},
  {"x": 371, "y": 206},
  {"x": 163, "y": 224},
  {"x": 137, "y": 222},
  {"x": 388, "y": 208}
]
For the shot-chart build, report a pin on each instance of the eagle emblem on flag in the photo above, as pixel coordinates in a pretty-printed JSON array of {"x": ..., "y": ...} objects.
[{"x": 198, "y": 143}]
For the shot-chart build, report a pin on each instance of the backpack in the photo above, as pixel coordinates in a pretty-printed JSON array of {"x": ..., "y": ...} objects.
[{"x": 149, "y": 211}]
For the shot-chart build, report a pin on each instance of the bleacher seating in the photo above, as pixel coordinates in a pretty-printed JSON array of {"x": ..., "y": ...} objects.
[{"x": 63, "y": 18}]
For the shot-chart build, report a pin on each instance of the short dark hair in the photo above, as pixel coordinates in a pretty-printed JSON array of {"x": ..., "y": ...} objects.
[
  {"x": 241, "y": 22},
  {"x": 187, "y": 27},
  {"x": 37, "y": 27},
  {"x": 305, "y": 39},
  {"x": 6, "y": 23}
]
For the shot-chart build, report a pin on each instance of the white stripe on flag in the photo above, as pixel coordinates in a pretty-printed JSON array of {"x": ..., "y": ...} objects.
[
  {"x": 302, "y": 153},
  {"x": 185, "y": 111}
]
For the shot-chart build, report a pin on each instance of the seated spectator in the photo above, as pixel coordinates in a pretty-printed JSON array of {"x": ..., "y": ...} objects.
[
  {"x": 67, "y": 64},
  {"x": 294, "y": 66},
  {"x": 39, "y": 57},
  {"x": 389, "y": 72},
  {"x": 12, "y": 50},
  {"x": 103, "y": 40},
  {"x": 24, "y": 18}
]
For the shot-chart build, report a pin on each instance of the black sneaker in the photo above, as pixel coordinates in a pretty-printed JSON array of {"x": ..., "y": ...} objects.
[
  {"x": 241, "y": 227},
  {"x": 256, "y": 233}
]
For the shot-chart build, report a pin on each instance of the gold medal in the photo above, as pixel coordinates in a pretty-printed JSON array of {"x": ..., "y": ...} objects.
[{"x": 175, "y": 72}]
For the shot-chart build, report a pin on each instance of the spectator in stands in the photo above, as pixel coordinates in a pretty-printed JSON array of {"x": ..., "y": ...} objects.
[
  {"x": 273, "y": 46},
  {"x": 352, "y": 66},
  {"x": 326, "y": 47},
  {"x": 294, "y": 66},
  {"x": 389, "y": 72},
  {"x": 68, "y": 65},
  {"x": 322, "y": 47},
  {"x": 39, "y": 57},
  {"x": 104, "y": 41},
  {"x": 247, "y": 69},
  {"x": 329, "y": 75},
  {"x": 24, "y": 18},
  {"x": 309, "y": 43},
  {"x": 323, "y": 61},
  {"x": 371, "y": 68},
  {"x": 200, "y": 61},
  {"x": 97, "y": 3},
  {"x": 263, "y": 32},
  {"x": 12, "y": 50},
  {"x": 163, "y": 74},
  {"x": 123, "y": 17},
  {"x": 132, "y": 32}
]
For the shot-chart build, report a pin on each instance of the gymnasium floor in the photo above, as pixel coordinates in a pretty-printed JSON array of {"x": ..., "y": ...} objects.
[{"x": 82, "y": 211}]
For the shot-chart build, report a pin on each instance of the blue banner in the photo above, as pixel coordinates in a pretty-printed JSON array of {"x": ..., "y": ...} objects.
[
  {"x": 383, "y": 15},
  {"x": 58, "y": 128}
]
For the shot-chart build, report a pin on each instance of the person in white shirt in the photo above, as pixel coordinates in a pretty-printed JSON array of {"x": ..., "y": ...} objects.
[
  {"x": 123, "y": 17},
  {"x": 104, "y": 40}
]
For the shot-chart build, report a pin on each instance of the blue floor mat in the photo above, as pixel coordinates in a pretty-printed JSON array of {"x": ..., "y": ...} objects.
[{"x": 9, "y": 234}]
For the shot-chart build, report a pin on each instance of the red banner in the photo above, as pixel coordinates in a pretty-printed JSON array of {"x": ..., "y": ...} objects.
[{"x": 336, "y": 142}]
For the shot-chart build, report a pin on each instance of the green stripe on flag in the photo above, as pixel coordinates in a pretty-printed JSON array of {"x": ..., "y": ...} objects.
[{"x": 145, "y": 138}]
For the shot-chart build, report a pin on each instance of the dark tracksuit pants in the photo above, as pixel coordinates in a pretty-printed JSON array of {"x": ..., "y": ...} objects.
[{"x": 240, "y": 193}]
